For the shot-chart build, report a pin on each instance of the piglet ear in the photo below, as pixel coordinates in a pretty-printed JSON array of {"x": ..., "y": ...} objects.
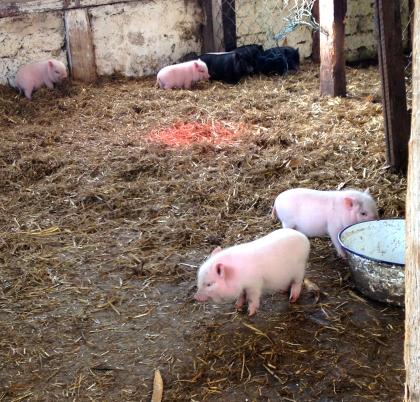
[
  {"x": 218, "y": 249},
  {"x": 224, "y": 272},
  {"x": 367, "y": 191},
  {"x": 196, "y": 65},
  {"x": 220, "y": 270},
  {"x": 349, "y": 202},
  {"x": 50, "y": 63}
]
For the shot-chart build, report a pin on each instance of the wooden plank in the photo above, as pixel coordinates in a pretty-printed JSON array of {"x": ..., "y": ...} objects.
[
  {"x": 229, "y": 24},
  {"x": 412, "y": 266},
  {"x": 391, "y": 66},
  {"x": 412, "y": 235},
  {"x": 316, "y": 58},
  {"x": 80, "y": 50},
  {"x": 410, "y": 32},
  {"x": 218, "y": 34},
  {"x": 332, "y": 70},
  {"x": 12, "y": 8},
  {"x": 207, "y": 29}
]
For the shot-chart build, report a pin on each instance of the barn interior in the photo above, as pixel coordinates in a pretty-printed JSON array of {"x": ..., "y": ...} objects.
[{"x": 113, "y": 194}]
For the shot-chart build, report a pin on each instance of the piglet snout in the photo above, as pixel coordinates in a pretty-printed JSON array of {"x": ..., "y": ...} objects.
[{"x": 200, "y": 298}]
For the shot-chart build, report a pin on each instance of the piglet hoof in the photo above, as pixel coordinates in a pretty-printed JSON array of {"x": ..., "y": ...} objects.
[
  {"x": 252, "y": 310},
  {"x": 241, "y": 300},
  {"x": 295, "y": 291},
  {"x": 342, "y": 254},
  {"x": 292, "y": 299}
]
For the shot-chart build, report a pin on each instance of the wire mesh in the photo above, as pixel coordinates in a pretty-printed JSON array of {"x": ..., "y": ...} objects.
[
  {"x": 270, "y": 22},
  {"x": 407, "y": 10},
  {"x": 264, "y": 22}
]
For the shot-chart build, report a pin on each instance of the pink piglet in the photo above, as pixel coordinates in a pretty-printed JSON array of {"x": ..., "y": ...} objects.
[
  {"x": 324, "y": 213},
  {"x": 182, "y": 75},
  {"x": 275, "y": 262},
  {"x": 33, "y": 76}
]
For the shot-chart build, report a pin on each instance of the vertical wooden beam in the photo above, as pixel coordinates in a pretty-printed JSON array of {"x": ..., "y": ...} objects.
[
  {"x": 315, "y": 34},
  {"x": 218, "y": 34},
  {"x": 391, "y": 66},
  {"x": 412, "y": 235},
  {"x": 208, "y": 29},
  {"x": 410, "y": 34},
  {"x": 229, "y": 24},
  {"x": 332, "y": 71},
  {"x": 80, "y": 50}
]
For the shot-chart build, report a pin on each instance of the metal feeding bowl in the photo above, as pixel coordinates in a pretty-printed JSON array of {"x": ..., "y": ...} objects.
[{"x": 376, "y": 255}]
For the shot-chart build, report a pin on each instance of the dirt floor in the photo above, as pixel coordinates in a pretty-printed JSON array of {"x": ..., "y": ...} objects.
[{"x": 102, "y": 228}]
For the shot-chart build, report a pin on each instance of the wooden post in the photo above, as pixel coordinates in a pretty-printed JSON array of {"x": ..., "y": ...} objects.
[
  {"x": 332, "y": 71},
  {"x": 412, "y": 235},
  {"x": 208, "y": 29},
  {"x": 391, "y": 66},
  {"x": 218, "y": 34},
  {"x": 219, "y": 31},
  {"x": 315, "y": 34},
  {"x": 410, "y": 34},
  {"x": 80, "y": 49},
  {"x": 229, "y": 24}
]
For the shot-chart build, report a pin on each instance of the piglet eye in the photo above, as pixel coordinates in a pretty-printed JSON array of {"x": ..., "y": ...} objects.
[
  {"x": 208, "y": 285},
  {"x": 364, "y": 214}
]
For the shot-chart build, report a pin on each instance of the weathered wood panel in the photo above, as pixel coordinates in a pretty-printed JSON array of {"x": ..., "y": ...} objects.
[
  {"x": 207, "y": 29},
  {"x": 410, "y": 24},
  {"x": 391, "y": 66},
  {"x": 81, "y": 54},
  {"x": 315, "y": 34},
  {"x": 412, "y": 256},
  {"x": 332, "y": 70},
  {"x": 412, "y": 266},
  {"x": 16, "y": 7},
  {"x": 218, "y": 33}
]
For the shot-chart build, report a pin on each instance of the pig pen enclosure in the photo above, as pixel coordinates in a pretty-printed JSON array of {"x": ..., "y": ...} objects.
[
  {"x": 104, "y": 222},
  {"x": 113, "y": 193}
]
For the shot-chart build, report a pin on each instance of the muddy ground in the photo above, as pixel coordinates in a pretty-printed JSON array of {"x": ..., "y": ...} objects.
[{"x": 102, "y": 230}]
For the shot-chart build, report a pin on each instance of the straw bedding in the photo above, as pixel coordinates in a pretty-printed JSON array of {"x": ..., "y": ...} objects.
[{"x": 105, "y": 217}]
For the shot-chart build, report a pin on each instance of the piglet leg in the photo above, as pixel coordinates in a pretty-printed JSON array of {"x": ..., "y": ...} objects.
[
  {"x": 295, "y": 290},
  {"x": 334, "y": 239},
  {"x": 28, "y": 93},
  {"x": 241, "y": 301},
  {"x": 187, "y": 84},
  {"x": 288, "y": 225},
  {"x": 49, "y": 84},
  {"x": 253, "y": 296}
]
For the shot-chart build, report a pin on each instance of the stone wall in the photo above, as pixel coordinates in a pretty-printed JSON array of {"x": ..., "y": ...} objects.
[
  {"x": 259, "y": 20},
  {"x": 134, "y": 38},
  {"x": 138, "y": 39},
  {"x": 28, "y": 38}
]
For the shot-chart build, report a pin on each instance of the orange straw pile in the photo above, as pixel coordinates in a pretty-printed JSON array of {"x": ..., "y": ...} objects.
[{"x": 181, "y": 133}]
